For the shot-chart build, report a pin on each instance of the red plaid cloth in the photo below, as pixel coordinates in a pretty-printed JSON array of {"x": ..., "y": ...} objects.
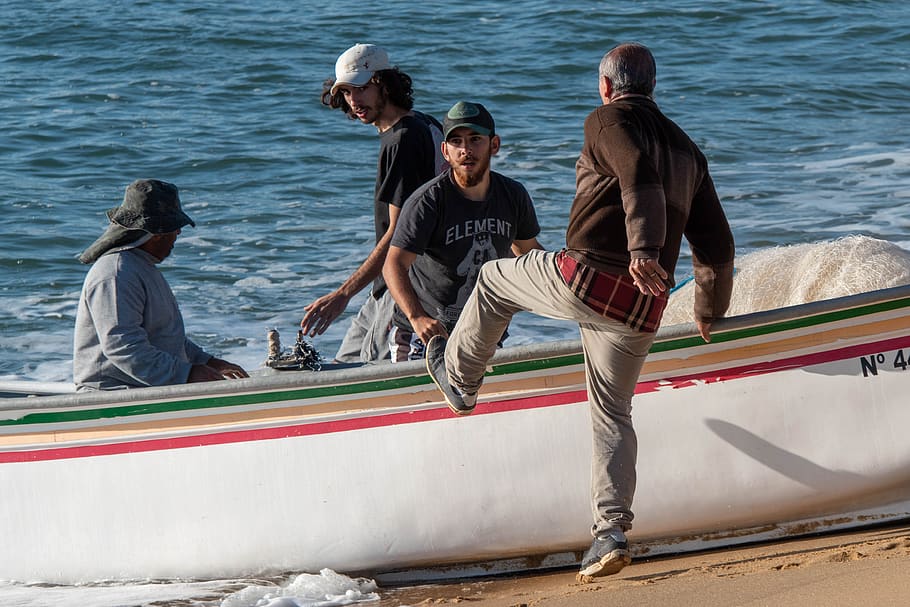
[{"x": 612, "y": 295}]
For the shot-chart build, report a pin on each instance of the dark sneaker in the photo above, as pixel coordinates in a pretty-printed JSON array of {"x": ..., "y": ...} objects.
[
  {"x": 460, "y": 404},
  {"x": 606, "y": 556}
]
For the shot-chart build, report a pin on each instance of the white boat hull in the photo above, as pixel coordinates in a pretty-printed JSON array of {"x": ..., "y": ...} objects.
[{"x": 784, "y": 432}]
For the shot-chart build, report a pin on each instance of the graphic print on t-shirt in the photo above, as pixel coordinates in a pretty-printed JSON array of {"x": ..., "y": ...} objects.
[
  {"x": 453, "y": 237},
  {"x": 480, "y": 252}
]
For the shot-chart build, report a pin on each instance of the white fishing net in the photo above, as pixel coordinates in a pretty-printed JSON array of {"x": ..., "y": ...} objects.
[{"x": 796, "y": 274}]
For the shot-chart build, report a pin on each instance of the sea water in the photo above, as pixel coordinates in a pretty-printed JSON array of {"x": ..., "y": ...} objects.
[{"x": 800, "y": 108}]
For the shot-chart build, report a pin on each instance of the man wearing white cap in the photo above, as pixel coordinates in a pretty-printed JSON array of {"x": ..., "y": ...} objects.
[
  {"x": 129, "y": 330},
  {"x": 368, "y": 88}
]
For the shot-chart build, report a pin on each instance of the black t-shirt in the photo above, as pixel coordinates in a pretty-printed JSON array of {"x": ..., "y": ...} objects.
[
  {"x": 453, "y": 236},
  {"x": 407, "y": 159}
]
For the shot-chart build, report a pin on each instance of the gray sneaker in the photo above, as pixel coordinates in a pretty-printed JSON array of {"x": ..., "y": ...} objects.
[
  {"x": 606, "y": 556},
  {"x": 460, "y": 404}
]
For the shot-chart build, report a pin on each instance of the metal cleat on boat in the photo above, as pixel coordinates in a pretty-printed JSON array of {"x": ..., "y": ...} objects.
[{"x": 303, "y": 356}]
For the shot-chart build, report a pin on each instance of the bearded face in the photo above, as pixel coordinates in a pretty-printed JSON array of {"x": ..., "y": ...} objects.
[{"x": 469, "y": 155}]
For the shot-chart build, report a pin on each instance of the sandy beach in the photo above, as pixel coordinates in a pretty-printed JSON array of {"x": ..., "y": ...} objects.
[{"x": 860, "y": 568}]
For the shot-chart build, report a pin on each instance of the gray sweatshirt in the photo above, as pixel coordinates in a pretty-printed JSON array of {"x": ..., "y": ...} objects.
[{"x": 129, "y": 330}]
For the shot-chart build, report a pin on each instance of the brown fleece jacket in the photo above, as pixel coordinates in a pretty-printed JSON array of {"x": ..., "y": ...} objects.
[{"x": 641, "y": 185}]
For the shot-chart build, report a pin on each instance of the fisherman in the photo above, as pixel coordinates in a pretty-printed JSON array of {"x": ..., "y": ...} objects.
[
  {"x": 129, "y": 330},
  {"x": 368, "y": 88},
  {"x": 642, "y": 184},
  {"x": 449, "y": 228}
]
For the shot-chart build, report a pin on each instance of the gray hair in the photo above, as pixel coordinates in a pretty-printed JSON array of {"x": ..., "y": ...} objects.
[{"x": 631, "y": 69}]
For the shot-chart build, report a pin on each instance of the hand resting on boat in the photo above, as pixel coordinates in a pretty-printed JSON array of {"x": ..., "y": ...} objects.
[{"x": 216, "y": 369}]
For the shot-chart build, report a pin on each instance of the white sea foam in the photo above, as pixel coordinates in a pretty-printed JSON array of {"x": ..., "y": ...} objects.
[
  {"x": 327, "y": 589},
  {"x": 796, "y": 274},
  {"x": 307, "y": 590},
  {"x": 859, "y": 160},
  {"x": 254, "y": 282}
]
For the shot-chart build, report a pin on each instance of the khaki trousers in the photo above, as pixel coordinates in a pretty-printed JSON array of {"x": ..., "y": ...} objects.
[{"x": 613, "y": 354}]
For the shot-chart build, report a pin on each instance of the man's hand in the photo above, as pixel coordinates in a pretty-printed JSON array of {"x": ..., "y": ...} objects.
[
  {"x": 228, "y": 370},
  {"x": 200, "y": 373},
  {"x": 215, "y": 370},
  {"x": 322, "y": 312},
  {"x": 648, "y": 276},
  {"x": 704, "y": 329},
  {"x": 426, "y": 327}
]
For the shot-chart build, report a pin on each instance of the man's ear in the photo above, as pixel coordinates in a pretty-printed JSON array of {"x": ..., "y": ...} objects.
[
  {"x": 495, "y": 142},
  {"x": 606, "y": 89}
]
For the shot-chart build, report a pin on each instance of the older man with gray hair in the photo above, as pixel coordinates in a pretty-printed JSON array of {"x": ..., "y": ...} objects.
[{"x": 641, "y": 185}]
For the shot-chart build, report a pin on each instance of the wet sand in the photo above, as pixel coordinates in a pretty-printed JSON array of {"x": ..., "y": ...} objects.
[{"x": 870, "y": 567}]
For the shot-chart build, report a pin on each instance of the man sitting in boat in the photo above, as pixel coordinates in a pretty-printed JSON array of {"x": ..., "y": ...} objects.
[
  {"x": 129, "y": 330},
  {"x": 449, "y": 228}
]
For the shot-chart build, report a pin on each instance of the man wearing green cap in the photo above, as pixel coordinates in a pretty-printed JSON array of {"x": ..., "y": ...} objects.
[
  {"x": 449, "y": 228},
  {"x": 129, "y": 330}
]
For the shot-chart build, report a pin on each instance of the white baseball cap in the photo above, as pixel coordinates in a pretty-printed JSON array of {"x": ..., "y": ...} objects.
[{"x": 357, "y": 65}]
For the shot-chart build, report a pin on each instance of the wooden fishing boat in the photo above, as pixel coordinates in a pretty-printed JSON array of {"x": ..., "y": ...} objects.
[{"x": 789, "y": 422}]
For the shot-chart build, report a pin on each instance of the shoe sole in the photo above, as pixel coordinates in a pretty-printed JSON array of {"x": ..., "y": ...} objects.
[
  {"x": 609, "y": 564},
  {"x": 452, "y": 408}
]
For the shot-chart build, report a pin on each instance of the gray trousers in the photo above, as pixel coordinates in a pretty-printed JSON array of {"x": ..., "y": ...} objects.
[
  {"x": 613, "y": 354},
  {"x": 367, "y": 339}
]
